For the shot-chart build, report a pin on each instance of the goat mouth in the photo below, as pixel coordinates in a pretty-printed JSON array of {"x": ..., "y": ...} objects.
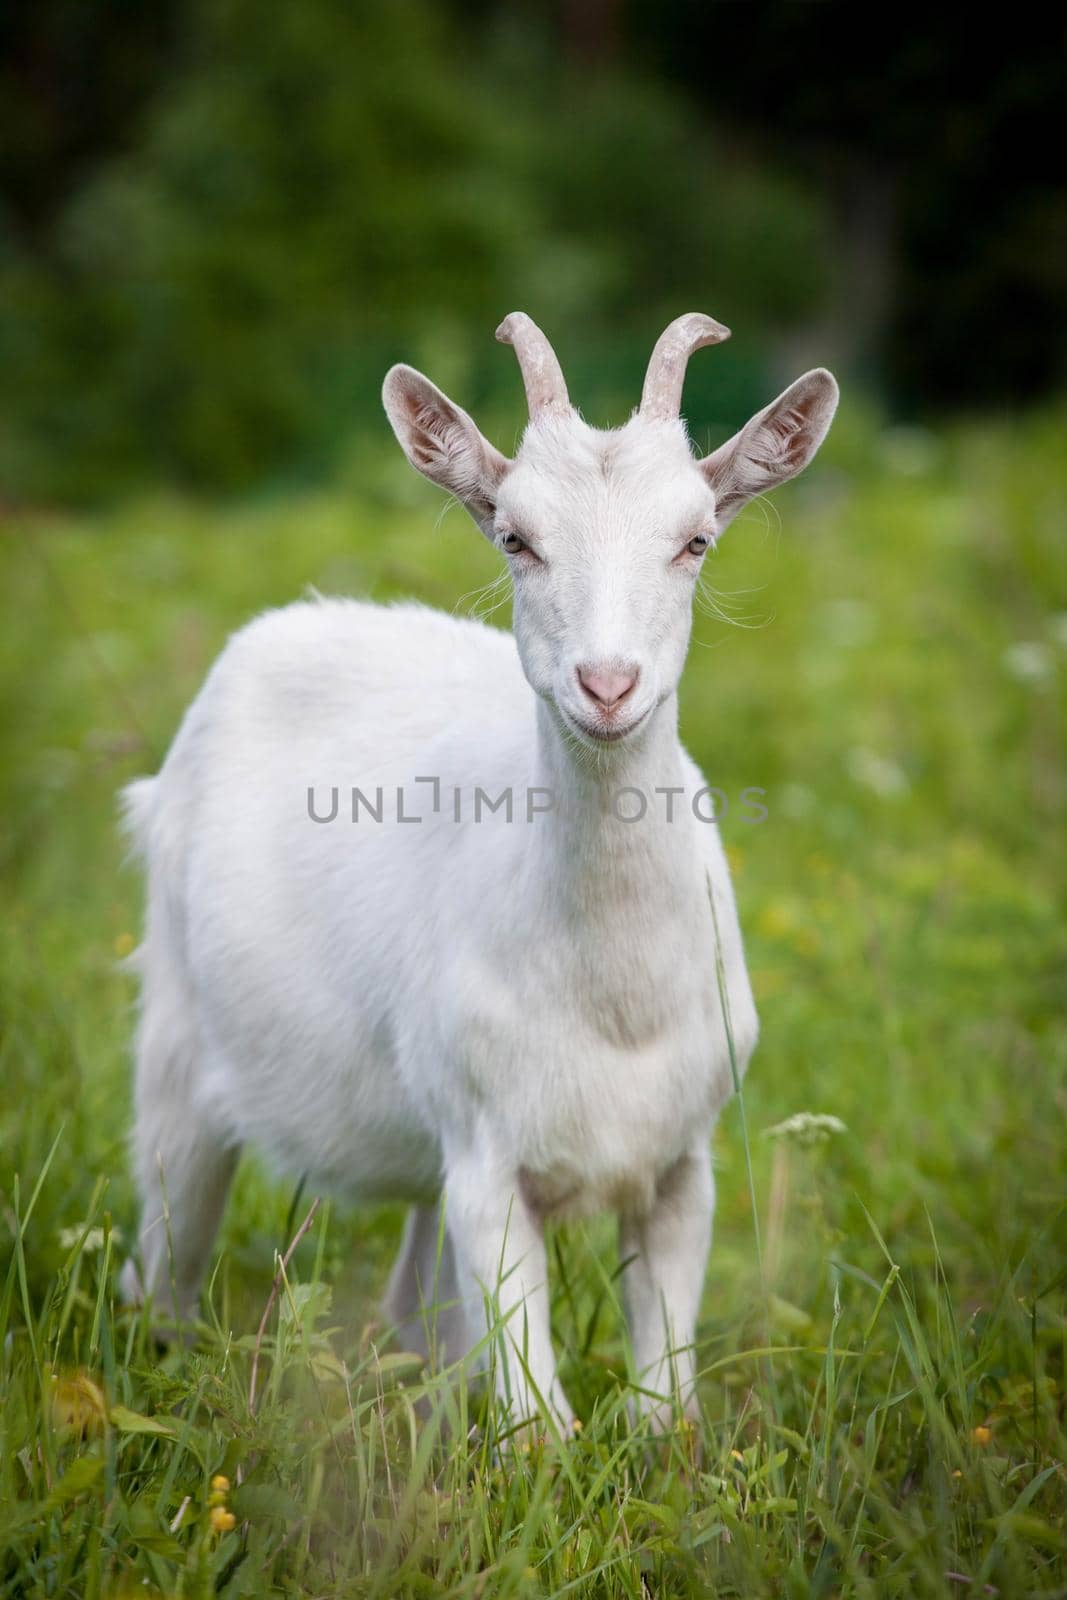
[{"x": 596, "y": 733}]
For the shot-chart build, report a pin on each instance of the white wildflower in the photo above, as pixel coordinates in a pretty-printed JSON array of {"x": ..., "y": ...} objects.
[
  {"x": 878, "y": 773},
  {"x": 796, "y": 799},
  {"x": 807, "y": 1128},
  {"x": 1029, "y": 661},
  {"x": 94, "y": 1239}
]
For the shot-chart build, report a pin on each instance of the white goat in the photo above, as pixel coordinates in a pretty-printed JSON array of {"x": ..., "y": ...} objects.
[{"x": 515, "y": 1009}]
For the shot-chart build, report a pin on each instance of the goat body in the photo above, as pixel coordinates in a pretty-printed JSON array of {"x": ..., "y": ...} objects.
[{"x": 406, "y": 932}]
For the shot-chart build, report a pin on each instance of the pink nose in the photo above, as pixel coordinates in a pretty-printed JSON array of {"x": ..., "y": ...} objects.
[{"x": 607, "y": 688}]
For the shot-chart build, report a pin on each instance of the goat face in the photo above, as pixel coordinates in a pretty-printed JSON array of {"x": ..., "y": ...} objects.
[{"x": 605, "y": 532}]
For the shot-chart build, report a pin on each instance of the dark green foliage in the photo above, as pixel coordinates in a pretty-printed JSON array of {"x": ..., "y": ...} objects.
[{"x": 304, "y": 198}]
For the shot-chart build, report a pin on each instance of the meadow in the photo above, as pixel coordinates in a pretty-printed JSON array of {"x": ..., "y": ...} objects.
[{"x": 884, "y": 1331}]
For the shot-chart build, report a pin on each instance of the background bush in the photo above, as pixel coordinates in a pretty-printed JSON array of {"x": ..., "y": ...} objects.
[{"x": 220, "y": 220}]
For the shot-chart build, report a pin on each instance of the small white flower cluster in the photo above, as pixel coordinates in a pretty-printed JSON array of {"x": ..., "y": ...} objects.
[
  {"x": 807, "y": 1128},
  {"x": 1028, "y": 661},
  {"x": 94, "y": 1239}
]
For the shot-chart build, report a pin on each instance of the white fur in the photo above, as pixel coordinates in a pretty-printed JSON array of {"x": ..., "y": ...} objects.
[{"x": 524, "y": 1015}]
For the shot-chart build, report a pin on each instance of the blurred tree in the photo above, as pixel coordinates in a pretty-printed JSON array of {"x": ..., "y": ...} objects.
[
  {"x": 941, "y": 155},
  {"x": 310, "y": 190},
  {"x": 296, "y": 184},
  {"x": 74, "y": 79}
]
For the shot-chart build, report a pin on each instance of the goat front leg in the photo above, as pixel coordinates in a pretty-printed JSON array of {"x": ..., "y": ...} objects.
[
  {"x": 501, "y": 1263},
  {"x": 666, "y": 1250}
]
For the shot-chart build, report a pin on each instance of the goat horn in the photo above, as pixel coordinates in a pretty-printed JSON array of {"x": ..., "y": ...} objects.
[
  {"x": 542, "y": 375},
  {"x": 661, "y": 397}
]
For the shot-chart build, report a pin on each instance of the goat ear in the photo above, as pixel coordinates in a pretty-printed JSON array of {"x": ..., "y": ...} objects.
[
  {"x": 442, "y": 442},
  {"x": 776, "y": 445}
]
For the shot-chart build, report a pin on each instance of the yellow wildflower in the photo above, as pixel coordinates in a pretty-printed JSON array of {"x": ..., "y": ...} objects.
[{"x": 78, "y": 1403}]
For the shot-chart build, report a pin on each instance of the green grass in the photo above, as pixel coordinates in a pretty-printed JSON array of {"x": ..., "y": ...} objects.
[{"x": 901, "y": 700}]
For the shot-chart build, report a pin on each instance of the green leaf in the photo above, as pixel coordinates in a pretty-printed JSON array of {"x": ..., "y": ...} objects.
[
  {"x": 661, "y": 1514},
  {"x": 305, "y": 1303},
  {"x": 788, "y": 1317},
  {"x": 791, "y": 1437},
  {"x": 400, "y": 1361},
  {"x": 158, "y": 1542},
  {"x": 1032, "y": 1530},
  {"x": 146, "y": 1529},
  {"x": 127, "y": 1421},
  {"x": 254, "y": 1500},
  {"x": 80, "y": 1476}
]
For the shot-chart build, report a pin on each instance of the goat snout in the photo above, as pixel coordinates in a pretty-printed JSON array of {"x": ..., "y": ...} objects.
[{"x": 608, "y": 687}]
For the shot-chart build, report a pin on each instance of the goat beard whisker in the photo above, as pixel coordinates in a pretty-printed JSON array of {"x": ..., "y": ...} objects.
[
  {"x": 715, "y": 603},
  {"x": 453, "y": 503},
  {"x": 475, "y": 602},
  {"x": 772, "y": 517}
]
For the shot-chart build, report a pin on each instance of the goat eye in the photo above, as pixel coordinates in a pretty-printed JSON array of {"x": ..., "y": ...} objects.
[
  {"x": 512, "y": 544},
  {"x": 698, "y": 545}
]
